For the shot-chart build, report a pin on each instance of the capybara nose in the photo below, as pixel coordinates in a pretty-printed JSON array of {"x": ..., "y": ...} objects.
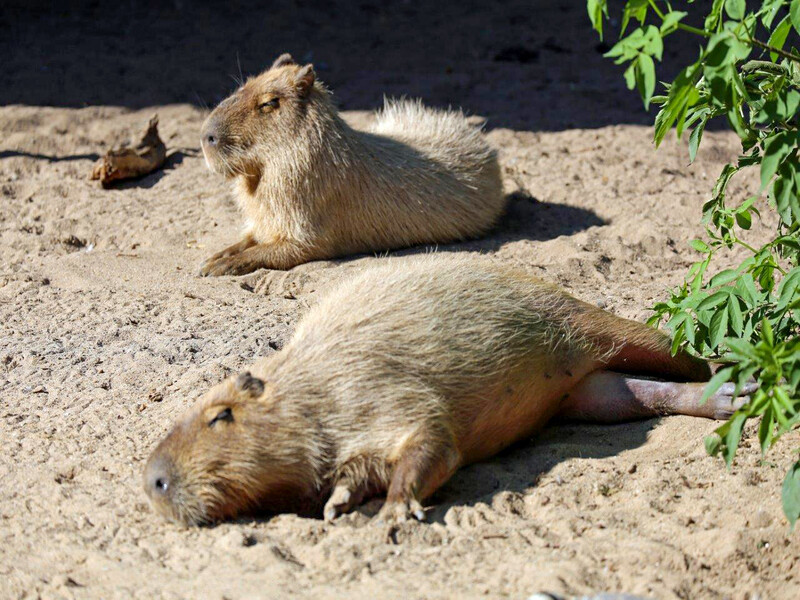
[
  {"x": 161, "y": 484},
  {"x": 210, "y": 134},
  {"x": 157, "y": 478}
]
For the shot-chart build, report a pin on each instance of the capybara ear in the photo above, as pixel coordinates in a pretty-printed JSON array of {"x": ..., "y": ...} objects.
[
  {"x": 304, "y": 79},
  {"x": 245, "y": 382},
  {"x": 283, "y": 60}
]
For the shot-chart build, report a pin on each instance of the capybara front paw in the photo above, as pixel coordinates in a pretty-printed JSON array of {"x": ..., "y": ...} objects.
[
  {"x": 342, "y": 500},
  {"x": 400, "y": 511},
  {"x": 231, "y": 265}
]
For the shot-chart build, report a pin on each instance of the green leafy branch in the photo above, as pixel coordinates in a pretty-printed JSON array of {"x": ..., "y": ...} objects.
[{"x": 747, "y": 317}]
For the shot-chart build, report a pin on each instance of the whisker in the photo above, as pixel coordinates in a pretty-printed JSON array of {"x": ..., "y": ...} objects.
[{"x": 239, "y": 64}]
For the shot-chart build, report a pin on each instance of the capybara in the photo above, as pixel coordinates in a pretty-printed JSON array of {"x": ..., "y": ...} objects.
[
  {"x": 401, "y": 375},
  {"x": 312, "y": 187}
]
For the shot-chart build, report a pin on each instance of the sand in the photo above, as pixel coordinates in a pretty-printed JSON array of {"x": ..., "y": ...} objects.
[{"x": 107, "y": 334}]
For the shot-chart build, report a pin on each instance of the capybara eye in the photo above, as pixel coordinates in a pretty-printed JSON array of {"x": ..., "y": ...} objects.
[
  {"x": 223, "y": 415},
  {"x": 274, "y": 103}
]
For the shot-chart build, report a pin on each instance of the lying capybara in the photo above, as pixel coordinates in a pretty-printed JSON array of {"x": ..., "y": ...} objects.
[
  {"x": 312, "y": 187},
  {"x": 401, "y": 375}
]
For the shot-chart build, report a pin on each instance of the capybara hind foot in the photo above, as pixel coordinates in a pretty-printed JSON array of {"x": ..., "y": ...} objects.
[
  {"x": 610, "y": 397},
  {"x": 721, "y": 404}
]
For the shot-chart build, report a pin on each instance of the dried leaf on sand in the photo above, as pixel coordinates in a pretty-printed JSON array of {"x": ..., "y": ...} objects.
[{"x": 128, "y": 163}]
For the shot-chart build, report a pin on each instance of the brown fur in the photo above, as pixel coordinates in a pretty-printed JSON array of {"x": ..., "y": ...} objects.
[
  {"x": 391, "y": 382},
  {"x": 311, "y": 187}
]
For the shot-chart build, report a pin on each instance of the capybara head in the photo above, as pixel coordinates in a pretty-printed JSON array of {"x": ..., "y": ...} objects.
[
  {"x": 261, "y": 118},
  {"x": 228, "y": 456}
]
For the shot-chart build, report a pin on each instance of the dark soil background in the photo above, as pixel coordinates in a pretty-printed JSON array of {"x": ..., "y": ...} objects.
[{"x": 533, "y": 65}]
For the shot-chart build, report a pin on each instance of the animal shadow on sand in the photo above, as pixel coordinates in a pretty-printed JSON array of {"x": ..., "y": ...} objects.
[
  {"x": 523, "y": 466},
  {"x": 173, "y": 160},
  {"x": 525, "y": 218},
  {"x": 47, "y": 157}
]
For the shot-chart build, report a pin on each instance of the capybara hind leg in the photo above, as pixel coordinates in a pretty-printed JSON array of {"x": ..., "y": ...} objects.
[
  {"x": 608, "y": 397},
  {"x": 259, "y": 256},
  {"x": 421, "y": 470}
]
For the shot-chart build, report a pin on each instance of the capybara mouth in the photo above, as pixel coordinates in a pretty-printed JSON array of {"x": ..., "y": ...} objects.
[
  {"x": 216, "y": 162},
  {"x": 181, "y": 510}
]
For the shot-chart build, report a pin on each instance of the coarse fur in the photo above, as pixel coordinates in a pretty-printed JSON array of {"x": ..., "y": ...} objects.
[
  {"x": 391, "y": 382},
  {"x": 312, "y": 187}
]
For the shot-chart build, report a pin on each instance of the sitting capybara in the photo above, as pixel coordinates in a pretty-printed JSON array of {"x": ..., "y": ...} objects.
[{"x": 312, "y": 187}]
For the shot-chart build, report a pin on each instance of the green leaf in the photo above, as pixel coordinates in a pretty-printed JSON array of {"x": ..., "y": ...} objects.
[
  {"x": 741, "y": 347},
  {"x": 784, "y": 399},
  {"x": 723, "y": 277},
  {"x": 724, "y": 178},
  {"x": 630, "y": 75},
  {"x": 636, "y": 9},
  {"x": 790, "y": 494},
  {"x": 678, "y": 337},
  {"x": 688, "y": 329},
  {"x": 713, "y": 444},
  {"x": 744, "y": 220},
  {"x": 646, "y": 78},
  {"x": 715, "y": 383},
  {"x": 718, "y": 328},
  {"x": 780, "y": 408},
  {"x": 671, "y": 20},
  {"x": 652, "y": 43},
  {"x": 769, "y": 10},
  {"x": 794, "y": 14},
  {"x": 778, "y": 37},
  {"x": 788, "y": 289},
  {"x": 713, "y": 18},
  {"x": 782, "y": 195},
  {"x": 766, "y": 429},
  {"x": 766, "y": 332},
  {"x": 782, "y": 107},
  {"x": 681, "y": 94},
  {"x": 736, "y": 317},
  {"x": 596, "y": 10},
  {"x": 735, "y": 9},
  {"x": 699, "y": 245},
  {"x": 695, "y": 137},
  {"x": 723, "y": 51},
  {"x": 746, "y": 289},
  {"x": 714, "y": 300},
  {"x": 733, "y": 436},
  {"x": 776, "y": 148}
]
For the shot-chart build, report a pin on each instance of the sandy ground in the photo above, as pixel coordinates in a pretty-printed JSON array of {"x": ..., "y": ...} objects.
[{"x": 107, "y": 334}]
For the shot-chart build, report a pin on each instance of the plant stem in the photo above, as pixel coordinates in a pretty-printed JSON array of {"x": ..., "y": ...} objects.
[
  {"x": 705, "y": 34},
  {"x": 694, "y": 30},
  {"x": 778, "y": 51},
  {"x": 746, "y": 245}
]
